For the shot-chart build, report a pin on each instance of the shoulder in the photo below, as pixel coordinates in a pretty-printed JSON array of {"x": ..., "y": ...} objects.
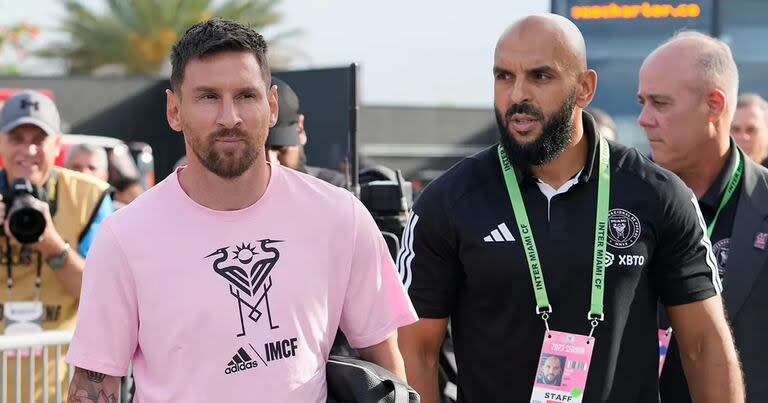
[
  {"x": 335, "y": 178},
  {"x": 310, "y": 187},
  {"x": 322, "y": 201},
  {"x": 640, "y": 174},
  {"x": 758, "y": 171},
  {"x": 467, "y": 176},
  {"x": 755, "y": 185},
  {"x": 148, "y": 207},
  {"x": 80, "y": 181}
]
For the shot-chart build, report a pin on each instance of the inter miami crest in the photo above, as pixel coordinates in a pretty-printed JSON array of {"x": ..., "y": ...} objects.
[
  {"x": 623, "y": 228},
  {"x": 249, "y": 273}
]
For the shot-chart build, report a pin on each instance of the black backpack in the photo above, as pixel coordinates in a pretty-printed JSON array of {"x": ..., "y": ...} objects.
[{"x": 352, "y": 380}]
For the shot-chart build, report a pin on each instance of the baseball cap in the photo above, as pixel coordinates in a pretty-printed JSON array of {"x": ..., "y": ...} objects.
[
  {"x": 30, "y": 107},
  {"x": 286, "y": 130}
]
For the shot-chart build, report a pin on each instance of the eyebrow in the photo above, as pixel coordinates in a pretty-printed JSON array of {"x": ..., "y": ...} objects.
[
  {"x": 538, "y": 69},
  {"x": 249, "y": 88},
  {"x": 498, "y": 70},
  {"x": 204, "y": 89},
  {"x": 543, "y": 69},
  {"x": 655, "y": 97}
]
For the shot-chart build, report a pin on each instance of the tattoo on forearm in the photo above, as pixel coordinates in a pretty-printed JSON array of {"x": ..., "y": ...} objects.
[
  {"x": 93, "y": 387},
  {"x": 94, "y": 376},
  {"x": 82, "y": 396}
]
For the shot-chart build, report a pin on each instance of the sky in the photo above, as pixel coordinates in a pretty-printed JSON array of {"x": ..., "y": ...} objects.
[{"x": 410, "y": 52}]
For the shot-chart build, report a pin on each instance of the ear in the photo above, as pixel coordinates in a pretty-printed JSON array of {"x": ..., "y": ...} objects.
[
  {"x": 716, "y": 104},
  {"x": 302, "y": 132},
  {"x": 172, "y": 112},
  {"x": 57, "y": 141},
  {"x": 587, "y": 86},
  {"x": 274, "y": 108}
]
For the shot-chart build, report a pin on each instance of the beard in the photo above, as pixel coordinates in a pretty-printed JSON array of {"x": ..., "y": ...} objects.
[
  {"x": 225, "y": 164},
  {"x": 554, "y": 138}
]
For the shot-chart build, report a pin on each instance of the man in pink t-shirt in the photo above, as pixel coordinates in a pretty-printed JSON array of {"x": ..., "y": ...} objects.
[{"x": 204, "y": 285}]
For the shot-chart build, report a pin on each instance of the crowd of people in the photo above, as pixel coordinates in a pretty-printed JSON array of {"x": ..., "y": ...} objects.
[{"x": 559, "y": 261}]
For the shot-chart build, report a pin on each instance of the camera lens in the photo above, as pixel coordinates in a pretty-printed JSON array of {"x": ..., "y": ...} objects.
[{"x": 26, "y": 223}]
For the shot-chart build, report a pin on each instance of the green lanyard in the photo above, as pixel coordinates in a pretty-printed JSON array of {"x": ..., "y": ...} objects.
[
  {"x": 729, "y": 190},
  {"x": 543, "y": 307}
]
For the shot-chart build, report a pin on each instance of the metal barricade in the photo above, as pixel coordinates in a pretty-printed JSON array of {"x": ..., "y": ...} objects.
[{"x": 44, "y": 344}]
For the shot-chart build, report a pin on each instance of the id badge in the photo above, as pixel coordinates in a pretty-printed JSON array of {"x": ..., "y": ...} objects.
[
  {"x": 23, "y": 317},
  {"x": 561, "y": 375},
  {"x": 665, "y": 337}
]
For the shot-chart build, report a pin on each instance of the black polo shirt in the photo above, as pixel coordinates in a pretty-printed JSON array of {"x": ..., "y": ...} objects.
[
  {"x": 673, "y": 384},
  {"x": 462, "y": 258}
]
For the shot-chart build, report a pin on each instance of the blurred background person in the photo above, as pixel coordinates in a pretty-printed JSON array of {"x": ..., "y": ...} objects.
[
  {"x": 89, "y": 159},
  {"x": 125, "y": 191},
  {"x": 750, "y": 126},
  {"x": 286, "y": 140},
  {"x": 604, "y": 124}
]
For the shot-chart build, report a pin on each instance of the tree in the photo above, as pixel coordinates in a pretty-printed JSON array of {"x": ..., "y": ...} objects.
[
  {"x": 16, "y": 38},
  {"x": 137, "y": 35}
]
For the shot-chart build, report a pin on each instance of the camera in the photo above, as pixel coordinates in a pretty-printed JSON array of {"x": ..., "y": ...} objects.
[
  {"x": 26, "y": 220},
  {"x": 388, "y": 197}
]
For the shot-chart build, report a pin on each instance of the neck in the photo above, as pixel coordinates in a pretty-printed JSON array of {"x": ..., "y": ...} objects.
[
  {"x": 216, "y": 193},
  {"x": 568, "y": 163},
  {"x": 702, "y": 172}
]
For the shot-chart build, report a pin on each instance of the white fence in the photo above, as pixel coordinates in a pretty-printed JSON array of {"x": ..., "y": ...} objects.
[{"x": 46, "y": 345}]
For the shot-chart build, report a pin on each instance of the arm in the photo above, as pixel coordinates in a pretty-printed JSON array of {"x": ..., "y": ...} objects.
[
  {"x": 386, "y": 355},
  {"x": 709, "y": 357},
  {"x": 420, "y": 344},
  {"x": 71, "y": 274},
  {"x": 93, "y": 387}
]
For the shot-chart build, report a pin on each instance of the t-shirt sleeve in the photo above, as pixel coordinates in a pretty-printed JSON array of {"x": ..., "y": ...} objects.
[
  {"x": 684, "y": 267},
  {"x": 428, "y": 261},
  {"x": 105, "y": 338},
  {"x": 375, "y": 302}
]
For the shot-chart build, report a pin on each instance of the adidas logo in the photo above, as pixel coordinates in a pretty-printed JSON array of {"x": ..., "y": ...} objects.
[
  {"x": 240, "y": 362},
  {"x": 500, "y": 234}
]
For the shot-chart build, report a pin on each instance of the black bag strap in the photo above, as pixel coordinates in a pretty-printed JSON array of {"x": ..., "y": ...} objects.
[{"x": 401, "y": 392}]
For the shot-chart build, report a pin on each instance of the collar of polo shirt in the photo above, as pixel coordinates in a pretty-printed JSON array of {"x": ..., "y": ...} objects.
[{"x": 711, "y": 199}]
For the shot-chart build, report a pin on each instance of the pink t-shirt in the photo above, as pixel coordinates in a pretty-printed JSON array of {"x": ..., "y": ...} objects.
[{"x": 235, "y": 306}]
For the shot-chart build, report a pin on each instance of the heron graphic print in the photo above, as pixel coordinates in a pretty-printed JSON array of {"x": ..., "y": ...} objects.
[{"x": 248, "y": 267}]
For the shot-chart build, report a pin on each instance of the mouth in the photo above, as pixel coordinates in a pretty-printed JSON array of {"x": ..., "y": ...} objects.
[
  {"x": 27, "y": 164},
  {"x": 522, "y": 123},
  {"x": 230, "y": 139}
]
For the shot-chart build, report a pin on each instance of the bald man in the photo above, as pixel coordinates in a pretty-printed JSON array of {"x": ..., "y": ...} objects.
[
  {"x": 688, "y": 88},
  {"x": 516, "y": 244}
]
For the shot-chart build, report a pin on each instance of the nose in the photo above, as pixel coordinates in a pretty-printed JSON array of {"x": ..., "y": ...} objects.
[
  {"x": 32, "y": 150},
  {"x": 646, "y": 118},
  {"x": 518, "y": 93},
  {"x": 229, "y": 116}
]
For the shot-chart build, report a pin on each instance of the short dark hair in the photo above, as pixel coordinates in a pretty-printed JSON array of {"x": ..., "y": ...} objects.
[{"x": 215, "y": 36}]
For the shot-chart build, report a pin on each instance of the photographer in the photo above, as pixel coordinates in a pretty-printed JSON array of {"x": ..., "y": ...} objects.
[{"x": 50, "y": 216}]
